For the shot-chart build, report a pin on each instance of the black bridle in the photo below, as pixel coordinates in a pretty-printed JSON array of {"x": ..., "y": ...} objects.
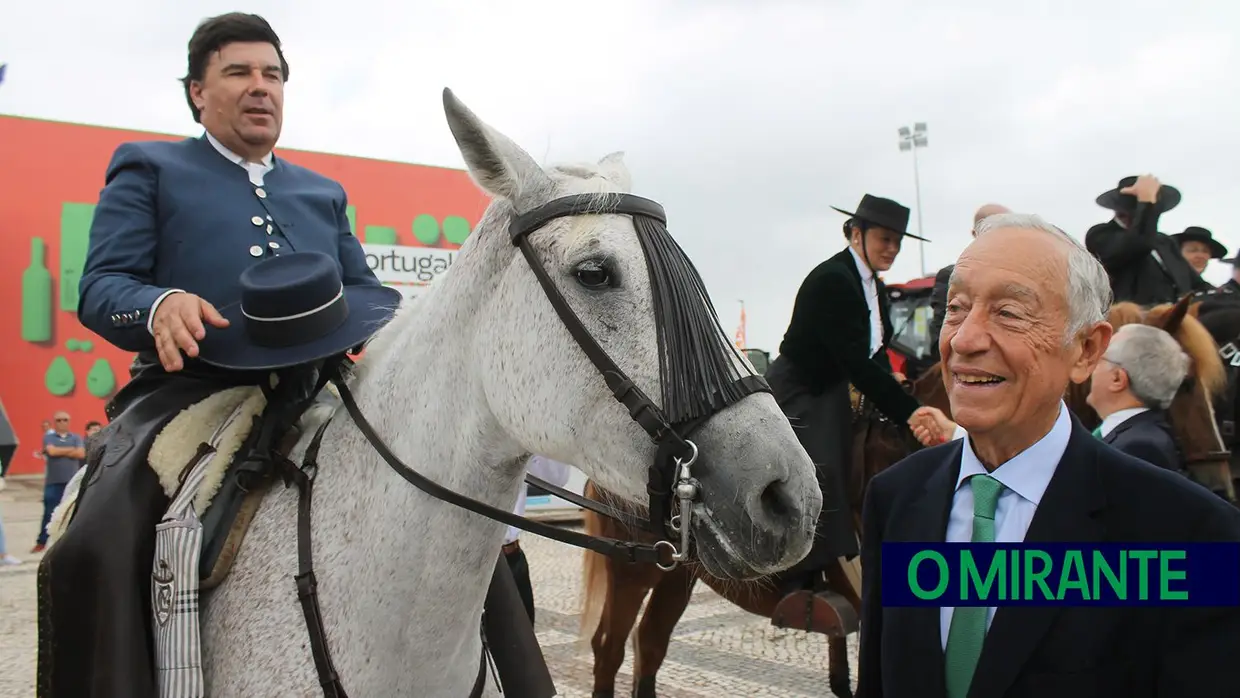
[{"x": 673, "y": 490}]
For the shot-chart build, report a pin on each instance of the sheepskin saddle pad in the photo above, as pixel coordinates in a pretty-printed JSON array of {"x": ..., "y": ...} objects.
[{"x": 176, "y": 449}]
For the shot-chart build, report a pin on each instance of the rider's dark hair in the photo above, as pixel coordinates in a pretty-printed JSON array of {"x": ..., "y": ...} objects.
[
  {"x": 854, "y": 223},
  {"x": 214, "y": 34}
]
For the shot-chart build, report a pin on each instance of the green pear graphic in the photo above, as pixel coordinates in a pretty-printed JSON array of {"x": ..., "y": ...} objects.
[
  {"x": 100, "y": 382},
  {"x": 59, "y": 378},
  {"x": 455, "y": 229}
]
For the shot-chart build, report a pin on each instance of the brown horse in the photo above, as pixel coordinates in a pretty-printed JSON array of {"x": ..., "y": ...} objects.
[{"x": 613, "y": 593}]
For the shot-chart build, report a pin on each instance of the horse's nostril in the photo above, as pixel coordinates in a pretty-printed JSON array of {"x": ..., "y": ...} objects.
[{"x": 777, "y": 502}]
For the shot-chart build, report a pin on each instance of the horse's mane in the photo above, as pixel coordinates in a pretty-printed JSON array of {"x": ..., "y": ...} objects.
[{"x": 1194, "y": 339}]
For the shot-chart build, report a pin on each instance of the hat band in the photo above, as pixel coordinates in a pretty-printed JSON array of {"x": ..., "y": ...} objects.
[{"x": 292, "y": 330}]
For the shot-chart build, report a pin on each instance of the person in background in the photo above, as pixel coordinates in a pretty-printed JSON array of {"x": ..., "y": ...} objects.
[
  {"x": 92, "y": 428},
  {"x": 1145, "y": 266},
  {"x": 837, "y": 338},
  {"x": 64, "y": 452},
  {"x": 554, "y": 473},
  {"x": 1130, "y": 389},
  {"x": 5, "y": 557},
  {"x": 1026, "y": 317},
  {"x": 938, "y": 297},
  {"x": 1198, "y": 246}
]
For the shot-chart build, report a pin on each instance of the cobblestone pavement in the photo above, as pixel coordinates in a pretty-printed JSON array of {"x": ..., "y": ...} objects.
[{"x": 717, "y": 650}]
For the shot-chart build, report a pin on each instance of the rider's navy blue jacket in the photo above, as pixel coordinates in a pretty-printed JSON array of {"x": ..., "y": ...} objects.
[{"x": 180, "y": 215}]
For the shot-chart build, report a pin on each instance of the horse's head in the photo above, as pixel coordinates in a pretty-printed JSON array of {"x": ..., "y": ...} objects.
[{"x": 758, "y": 497}]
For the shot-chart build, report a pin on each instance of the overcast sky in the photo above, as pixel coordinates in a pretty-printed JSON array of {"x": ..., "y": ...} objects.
[{"x": 747, "y": 120}]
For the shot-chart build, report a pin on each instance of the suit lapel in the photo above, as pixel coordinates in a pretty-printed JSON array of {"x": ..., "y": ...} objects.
[
  {"x": 1068, "y": 512},
  {"x": 926, "y": 520}
]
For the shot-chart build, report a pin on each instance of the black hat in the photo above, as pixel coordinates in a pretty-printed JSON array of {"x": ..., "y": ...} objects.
[
  {"x": 1199, "y": 234},
  {"x": 294, "y": 310},
  {"x": 882, "y": 212},
  {"x": 1168, "y": 197}
]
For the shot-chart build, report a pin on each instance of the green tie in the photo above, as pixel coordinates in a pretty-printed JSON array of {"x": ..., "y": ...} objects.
[
  {"x": 968, "y": 629},
  {"x": 1098, "y": 432}
]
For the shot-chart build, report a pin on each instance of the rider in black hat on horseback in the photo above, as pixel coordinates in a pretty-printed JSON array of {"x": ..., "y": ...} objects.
[
  {"x": 838, "y": 336},
  {"x": 1146, "y": 266}
]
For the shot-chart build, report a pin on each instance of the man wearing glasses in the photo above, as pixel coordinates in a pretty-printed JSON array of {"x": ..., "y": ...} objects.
[
  {"x": 1132, "y": 387},
  {"x": 64, "y": 452}
]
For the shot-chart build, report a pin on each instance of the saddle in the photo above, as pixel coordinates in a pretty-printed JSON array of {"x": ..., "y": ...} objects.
[{"x": 94, "y": 582}]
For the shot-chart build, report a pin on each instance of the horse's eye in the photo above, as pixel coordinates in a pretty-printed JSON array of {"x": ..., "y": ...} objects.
[{"x": 593, "y": 275}]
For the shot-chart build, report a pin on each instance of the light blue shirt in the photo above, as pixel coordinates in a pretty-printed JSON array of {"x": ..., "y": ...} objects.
[{"x": 1024, "y": 479}]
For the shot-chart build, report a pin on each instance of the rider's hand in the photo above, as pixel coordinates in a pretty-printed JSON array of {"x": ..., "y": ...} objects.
[
  {"x": 1145, "y": 189},
  {"x": 900, "y": 377},
  {"x": 178, "y": 325},
  {"x": 931, "y": 426}
]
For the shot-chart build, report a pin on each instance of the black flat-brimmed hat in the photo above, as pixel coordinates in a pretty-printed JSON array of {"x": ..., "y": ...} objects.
[
  {"x": 882, "y": 212},
  {"x": 1198, "y": 234},
  {"x": 1168, "y": 197},
  {"x": 294, "y": 310}
]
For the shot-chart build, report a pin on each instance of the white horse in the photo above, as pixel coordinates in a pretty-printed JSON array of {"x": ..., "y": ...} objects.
[{"x": 463, "y": 385}]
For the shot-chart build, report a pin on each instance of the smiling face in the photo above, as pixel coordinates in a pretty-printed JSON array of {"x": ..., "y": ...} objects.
[
  {"x": 1005, "y": 361},
  {"x": 241, "y": 97}
]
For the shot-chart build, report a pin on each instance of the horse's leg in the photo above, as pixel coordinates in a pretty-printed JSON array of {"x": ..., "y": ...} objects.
[
  {"x": 838, "y": 672},
  {"x": 626, "y": 587},
  {"x": 667, "y": 604}
]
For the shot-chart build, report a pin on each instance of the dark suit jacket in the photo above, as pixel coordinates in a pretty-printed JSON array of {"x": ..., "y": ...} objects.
[
  {"x": 181, "y": 215},
  {"x": 938, "y": 302},
  {"x": 1097, "y": 494},
  {"x": 1149, "y": 437},
  {"x": 1135, "y": 275},
  {"x": 828, "y": 339}
]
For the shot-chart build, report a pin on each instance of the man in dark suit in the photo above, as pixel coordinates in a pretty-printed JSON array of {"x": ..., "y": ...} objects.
[
  {"x": 838, "y": 336},
  {"x": 1146, "y": 267},
  {"x": 177, "y": 222},
  {"x": 1025, "y": 317},
  {"x": 938, "y": 297},
  {"x": 176, "y": 225},
  {"x": 1130, "y": 389}
]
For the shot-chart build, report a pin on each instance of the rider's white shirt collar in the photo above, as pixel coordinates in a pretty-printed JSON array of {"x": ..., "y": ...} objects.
[
  {"x": 256, "y": 171},
  {"x": 870, "y": 288}
]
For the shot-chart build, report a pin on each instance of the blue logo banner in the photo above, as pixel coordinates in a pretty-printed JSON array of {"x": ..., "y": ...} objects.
[{"x": 1061, "y": 574}]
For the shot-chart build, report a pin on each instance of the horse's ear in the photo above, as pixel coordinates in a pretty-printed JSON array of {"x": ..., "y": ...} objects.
[
  {"x": 616, "y": 171},
  {"x": 1176, "y": 317},
  {"x": 495, "y": 162}
]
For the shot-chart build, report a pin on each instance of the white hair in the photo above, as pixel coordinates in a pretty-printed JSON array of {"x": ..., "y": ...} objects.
[
  {"x": 1089, "y": 286},
  {"x": 1155, "y": 363}
]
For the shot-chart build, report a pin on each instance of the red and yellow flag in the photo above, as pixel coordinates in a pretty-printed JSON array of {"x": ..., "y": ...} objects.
[{"x": 740, "y": 329}]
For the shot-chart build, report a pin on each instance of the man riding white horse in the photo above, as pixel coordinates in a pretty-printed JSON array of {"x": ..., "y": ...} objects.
[{"x": 177, "y": 226}]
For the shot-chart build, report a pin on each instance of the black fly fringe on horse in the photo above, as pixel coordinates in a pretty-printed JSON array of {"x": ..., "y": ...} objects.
[{"x": 696, "y": 366}]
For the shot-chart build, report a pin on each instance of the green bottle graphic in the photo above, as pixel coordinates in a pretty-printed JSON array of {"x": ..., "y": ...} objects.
[
  {"x": 37, "y": 296},
  {"x": 350, "y": 212},
  {"x": 74, "y": 241},
  {"x": 380, "y": 235},
  {"x": 59, "y": 378},
  {"x": 426, "y": 229},
  {"x": 455, "y": 229},
  {"x": 100, "y": 382}
]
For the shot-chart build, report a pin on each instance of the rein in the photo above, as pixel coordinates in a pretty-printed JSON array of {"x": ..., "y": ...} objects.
[{"x": 672, "y": 489}]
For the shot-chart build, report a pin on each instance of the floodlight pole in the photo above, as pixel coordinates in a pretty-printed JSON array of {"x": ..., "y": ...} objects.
[{"x": 912, "y": 140}]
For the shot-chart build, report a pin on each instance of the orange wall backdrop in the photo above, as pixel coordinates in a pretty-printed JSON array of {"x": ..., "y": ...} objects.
[{"x": 50, "y": 177}]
